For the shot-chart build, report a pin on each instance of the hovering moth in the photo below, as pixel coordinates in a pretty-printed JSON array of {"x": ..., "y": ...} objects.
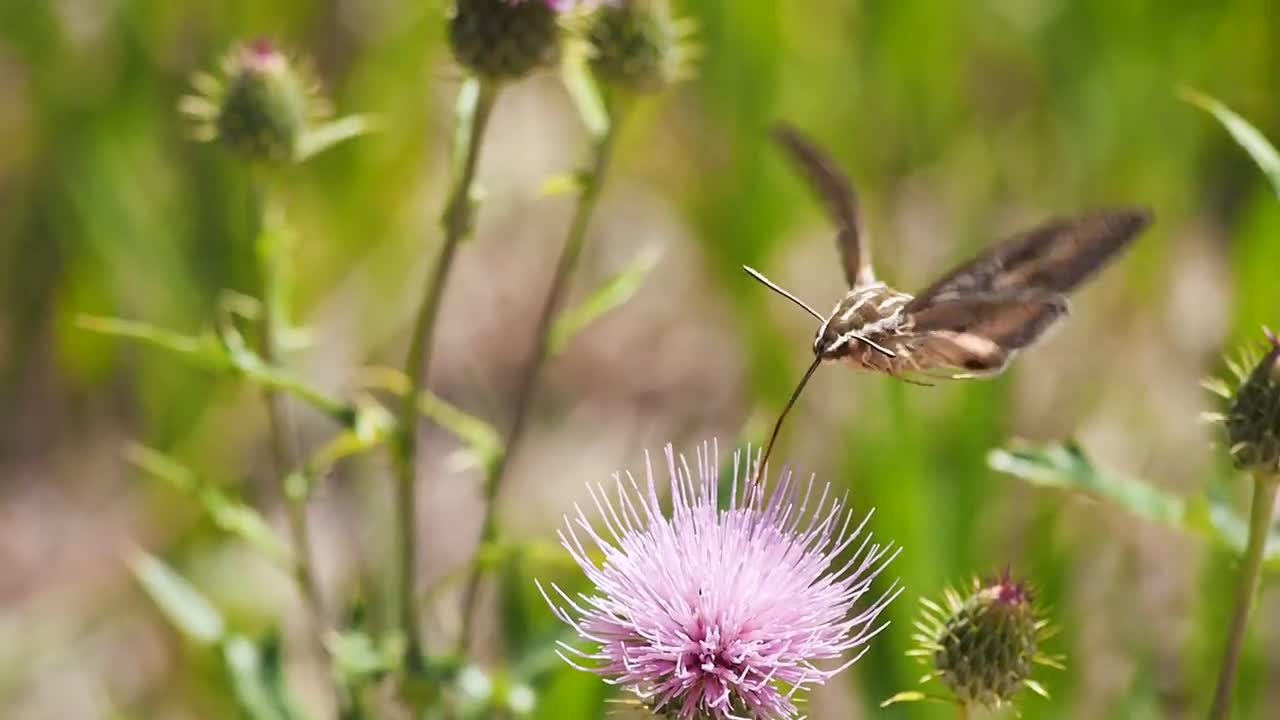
[{"x": 969, "y": 323}]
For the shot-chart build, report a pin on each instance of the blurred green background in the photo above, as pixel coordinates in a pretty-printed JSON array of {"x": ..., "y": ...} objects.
[{"x": 960, "y": 122}]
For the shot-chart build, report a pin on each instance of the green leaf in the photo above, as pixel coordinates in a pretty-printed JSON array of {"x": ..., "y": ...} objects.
[
  {"x": 227, "y": 514},
  {"x": 358, "y": 659},
  {"x": 257, "y": 677},
  {"x": 906, "y": 696},
  {"x": 317, "y": 140},
  {"x": 613, "y": 293},
  {"x": 483, "y": 442},
  {"x": 204, "y": 351},
  {"x": 586, "y": 95},
  {"x": 184, "y": 605},
  {"x": 1245, "y": 134},
  {"x": 561, "y": 184},
  {"x": 1064, "y": 466}
]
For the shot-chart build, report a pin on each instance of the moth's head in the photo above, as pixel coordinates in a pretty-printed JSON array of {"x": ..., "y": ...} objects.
[{"x": 830, "y": 342}]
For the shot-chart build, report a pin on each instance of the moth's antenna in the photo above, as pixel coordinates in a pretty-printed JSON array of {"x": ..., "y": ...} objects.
[
  {"x": 774, "y": 287},
  {"x": 777, "y": 427},
  {"x": 876, "y": 346}
]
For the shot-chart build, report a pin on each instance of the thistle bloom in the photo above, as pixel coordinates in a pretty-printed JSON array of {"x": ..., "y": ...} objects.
[
  {"x": 717, "y": 613},
  {"x": 502, "y": 40}
]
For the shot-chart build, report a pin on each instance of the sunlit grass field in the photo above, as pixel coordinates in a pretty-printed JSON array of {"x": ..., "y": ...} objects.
[{"x": 960, "y": 123}]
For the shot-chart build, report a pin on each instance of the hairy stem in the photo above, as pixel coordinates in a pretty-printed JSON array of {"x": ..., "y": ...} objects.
[
  {"x": 473, "y": 119},
  {"x": 592, "y": 181},
  {"x": 270, "y": 252},
  {"x": 1264, "y": 499}
]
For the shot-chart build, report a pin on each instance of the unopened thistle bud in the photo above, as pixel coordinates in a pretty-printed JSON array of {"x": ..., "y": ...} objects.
[
  {"x": 637, "y": 44},
  {"x": 984, "y": 645},
  {"x": 259, "y": 107},
  {"x": 505, "y": 39},
  {"x": 1252, "y": 420}
]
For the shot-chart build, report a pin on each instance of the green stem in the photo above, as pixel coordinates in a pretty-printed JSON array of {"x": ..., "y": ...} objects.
[
  {"x": 1264, "y": 499},
  {"x": 962, "y": 711},
  {"x": 271, "y": 253},
  {"x": 592, "y": 182},
  {"x": 472, "y": 121}
]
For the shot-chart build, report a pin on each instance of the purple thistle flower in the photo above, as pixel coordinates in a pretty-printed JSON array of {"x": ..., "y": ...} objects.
[{"x": 721, "y": 613}]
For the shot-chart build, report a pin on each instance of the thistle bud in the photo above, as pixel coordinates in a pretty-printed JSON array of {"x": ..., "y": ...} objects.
[
  {"x": 1253, "y": 416},
  {"x": 637, "y": 44},
  {"x": 259, "y": 107},
  {"x": 983, "y": 646},
  {"x": 504, "y": 39}
]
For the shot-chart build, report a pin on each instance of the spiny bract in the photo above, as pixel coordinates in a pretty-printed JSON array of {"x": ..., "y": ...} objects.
[
  {"x": 259, "y": 107},
  {"x": 639, "y": 45},
  {"x": 983, "y": 646},
  {"x": 1252, "y": 420}
]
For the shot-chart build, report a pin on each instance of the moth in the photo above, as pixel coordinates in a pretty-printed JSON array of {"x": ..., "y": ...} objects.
[{"x": 973, "y": 320}]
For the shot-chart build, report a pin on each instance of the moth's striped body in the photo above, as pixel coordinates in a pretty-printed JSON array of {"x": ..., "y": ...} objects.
[{"x": 873, "y": 312}]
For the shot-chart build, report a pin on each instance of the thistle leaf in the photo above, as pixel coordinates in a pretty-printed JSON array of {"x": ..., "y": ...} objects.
[
  {"x": 257, "y": 675},
  {"x": 203, "y": 351},
  {"x": 612, "y": 294},
  {"x": 1064, "y": 466},
  {"x": 1246, "y": 135},
  {"x": 227, "y": 514},
  {"x": 484, "y": 444},
  {"x": 316, "y": 140},
  {"x": 206, "y": 352},
  {"x": 586, "y": 95},
  {"x": 184, "y": 605},
  {"x": 561, "y": 184}
]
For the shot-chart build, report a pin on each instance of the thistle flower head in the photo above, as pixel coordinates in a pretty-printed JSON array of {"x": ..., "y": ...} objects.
[
  {"x": 505, "y": 39},
  {"x": 723, "y": 607},
  {"x": 259, "y": 106},
  {"x": 639, "y": 44},
  {"x": 983, "y": 645},
  {"x": 1252, "y": 420}
]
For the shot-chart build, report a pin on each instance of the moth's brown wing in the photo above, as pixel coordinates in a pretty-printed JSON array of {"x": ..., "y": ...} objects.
[
  {"x": 980, "y": 334},
  {"x": 837, "y": 194},
  {"x": 1057, "y": 256}
]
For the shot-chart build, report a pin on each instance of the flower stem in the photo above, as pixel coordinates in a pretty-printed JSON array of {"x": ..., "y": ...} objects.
[
  {"x": 592, "y": 182},
  {"x": 1264, "y": 499},
  {"x": 272, "y": 269},
  {"x": 962, "y": 711},
  {"x": 476, "y": 100}
]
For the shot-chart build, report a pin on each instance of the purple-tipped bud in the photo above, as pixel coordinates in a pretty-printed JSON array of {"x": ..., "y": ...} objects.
[
  {"x": 984, "y": 645},
  {"x": 721, "y": 607},
  {"x": 259, "y": 106}
]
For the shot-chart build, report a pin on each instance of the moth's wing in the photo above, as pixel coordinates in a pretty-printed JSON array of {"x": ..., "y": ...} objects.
[
  {"x": 837, "y": 194},
  {"x": 979, "y": 334},
  {"x": 1057, "y": 256}
]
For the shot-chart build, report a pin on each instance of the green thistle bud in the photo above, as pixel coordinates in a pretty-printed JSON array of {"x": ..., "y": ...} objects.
[
  {"x": 983, "y": 646},
  {"x": 504, "y": 39},
  {"x": 1252, "y": 420},
  {"x": 637, "y": 44},
  {"x": 259, "y": 107}
]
